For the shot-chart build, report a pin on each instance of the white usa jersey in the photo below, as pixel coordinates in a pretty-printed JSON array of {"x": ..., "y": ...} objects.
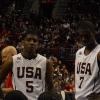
[
  {"x": 29, "y": 75},
  {"x": 87, "y": 74}
]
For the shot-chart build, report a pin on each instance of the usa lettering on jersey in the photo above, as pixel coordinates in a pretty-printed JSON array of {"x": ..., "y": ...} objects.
[
  {"x": 29, "y": 72},
  {"x": 84, "y": 68}
]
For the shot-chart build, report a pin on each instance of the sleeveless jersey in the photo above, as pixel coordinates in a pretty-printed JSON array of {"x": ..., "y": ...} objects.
[
  {"x": 29, "y": 75},
  {"x": 87, "y": 77}
]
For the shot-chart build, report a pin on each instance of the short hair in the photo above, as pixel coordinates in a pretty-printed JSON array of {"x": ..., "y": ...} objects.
[
  {"x": 49, "y": 96},
  {"x": 86, "y": 26},
  {"x": 23, "y": 36},
  {"x": 15, "y": 95}
]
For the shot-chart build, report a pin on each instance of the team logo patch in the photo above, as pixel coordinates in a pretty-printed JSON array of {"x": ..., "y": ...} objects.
[{"x": 18, "y": 58}]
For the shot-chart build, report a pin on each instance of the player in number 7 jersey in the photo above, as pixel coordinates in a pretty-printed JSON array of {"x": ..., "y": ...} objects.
[{"x": 87, "y": 64}]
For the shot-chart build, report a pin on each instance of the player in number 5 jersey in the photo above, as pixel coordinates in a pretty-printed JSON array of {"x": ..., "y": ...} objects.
[
  {"x": 31, "y": 71},
  {"x": 87, "y": 64}
]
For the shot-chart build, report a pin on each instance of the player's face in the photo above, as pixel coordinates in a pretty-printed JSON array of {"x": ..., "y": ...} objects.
[
  {"x": 30, "y": 43},
  {"x": 85, "y": 39}
]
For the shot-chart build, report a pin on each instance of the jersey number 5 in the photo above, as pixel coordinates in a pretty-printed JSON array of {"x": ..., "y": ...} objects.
[
  {"x": 81, "y": 79},
  {"x": 29, "y": 86}
]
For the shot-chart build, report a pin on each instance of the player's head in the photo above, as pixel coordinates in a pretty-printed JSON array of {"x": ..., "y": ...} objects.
[
  {"x": 8, "y": 52},
  {"x": 49, "y": 96},
  {"x": 30, "y": 42},
  {"x": 86, "y": 33},
  {"x": 15, "y": 95}
]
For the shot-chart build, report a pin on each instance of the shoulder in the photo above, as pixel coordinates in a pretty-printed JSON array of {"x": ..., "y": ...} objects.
[
  {"x": 79, "y": 51},
  {"x": 41, "y": 57},
  {"x": 17, "y": 56}
]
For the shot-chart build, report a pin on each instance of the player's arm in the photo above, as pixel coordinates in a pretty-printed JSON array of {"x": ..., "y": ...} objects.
[
  {"x": 98, "y": 58},
  {"x": 6, "y": 68},
  {"x": 49, "y": 75}
]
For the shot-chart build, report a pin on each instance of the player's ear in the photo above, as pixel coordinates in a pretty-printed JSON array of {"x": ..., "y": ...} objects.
[{"x": 22, "y": 43}]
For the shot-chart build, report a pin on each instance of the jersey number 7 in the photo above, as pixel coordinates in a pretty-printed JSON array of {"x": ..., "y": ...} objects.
[{"x": 81, "y": 79}]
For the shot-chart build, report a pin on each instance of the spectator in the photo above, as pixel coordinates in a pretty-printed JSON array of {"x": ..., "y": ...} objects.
[
  {"x": 50, "y": 95},
  {"x": 15, "y": 95}
]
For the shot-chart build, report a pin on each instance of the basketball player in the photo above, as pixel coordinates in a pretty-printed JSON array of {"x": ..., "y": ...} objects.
[
  {"x": 87, "y": 64},
  {"x": 6, "y": 54},
  {"x": 31, "y": 71}
]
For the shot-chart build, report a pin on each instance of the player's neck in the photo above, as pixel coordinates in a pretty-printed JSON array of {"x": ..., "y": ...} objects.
[
  {"x": 29, "y": 56},
  {"x": 91, "y": 47}
]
